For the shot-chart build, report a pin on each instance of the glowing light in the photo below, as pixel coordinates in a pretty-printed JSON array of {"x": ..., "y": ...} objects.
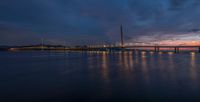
[
  {"x": 13, "y": 49},
  {"x": 151, "y": 52},
  {"x": 193, "y": 53},
  {"x": 170, "y": 53},
  {"x": 143, "y": 52}
]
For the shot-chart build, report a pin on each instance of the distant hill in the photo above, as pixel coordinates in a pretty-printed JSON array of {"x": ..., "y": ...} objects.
[
  {"x": 38, "y": 47},
  {"x": 4, "y": 48}
]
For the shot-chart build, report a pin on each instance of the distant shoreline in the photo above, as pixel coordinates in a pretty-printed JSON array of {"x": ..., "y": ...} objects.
[{"x": 152, "y": 49}]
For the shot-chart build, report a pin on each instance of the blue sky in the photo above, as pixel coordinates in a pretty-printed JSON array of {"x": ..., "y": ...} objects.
[{"x": 78, "y": 22}]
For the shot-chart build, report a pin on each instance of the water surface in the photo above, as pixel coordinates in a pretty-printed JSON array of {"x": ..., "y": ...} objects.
[{"x": 99, "y": 77}]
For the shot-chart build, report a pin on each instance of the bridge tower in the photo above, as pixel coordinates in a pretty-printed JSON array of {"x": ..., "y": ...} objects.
[{"x": 122, "y": 36}]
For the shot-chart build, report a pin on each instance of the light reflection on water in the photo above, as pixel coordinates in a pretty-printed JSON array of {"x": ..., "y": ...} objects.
[
  {"x": 144, "y": 66},
  {"x": 193, "y": 69},
  {"x": 99, "y": 75},
  {"x": 105, "y": 62},
  {"x": 171, "y": 63}
]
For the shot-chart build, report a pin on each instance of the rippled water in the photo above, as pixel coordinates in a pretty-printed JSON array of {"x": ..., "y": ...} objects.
[{"x": 99, "y": 76}]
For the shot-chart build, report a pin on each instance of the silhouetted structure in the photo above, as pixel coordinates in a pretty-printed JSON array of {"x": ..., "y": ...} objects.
[{"x": 122, "y": 36}]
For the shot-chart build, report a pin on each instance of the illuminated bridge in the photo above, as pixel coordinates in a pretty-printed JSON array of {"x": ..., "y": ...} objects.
[
  {"x": 121, "y": 47},
  {"x": 175, "y": 49}
]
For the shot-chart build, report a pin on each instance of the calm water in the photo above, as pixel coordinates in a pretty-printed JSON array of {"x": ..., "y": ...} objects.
[{"x": 99, "y": 77}]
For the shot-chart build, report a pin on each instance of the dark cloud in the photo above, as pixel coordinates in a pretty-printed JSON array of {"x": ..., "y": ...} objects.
[
  {"x": 15, "y": 35},
  {"x": 177, "y": 4},
  {"x": 95, "y": 21}
]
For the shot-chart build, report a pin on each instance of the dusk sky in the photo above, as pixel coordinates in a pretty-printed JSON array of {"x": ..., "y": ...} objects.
[{"x": 78, "y": 22}]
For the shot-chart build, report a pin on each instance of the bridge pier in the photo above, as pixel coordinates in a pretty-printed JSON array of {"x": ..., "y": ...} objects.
[
  {"x": 199, "y": 49},
  {"x": 176, "y": 50},
  {"x": 156, "y": 48}
]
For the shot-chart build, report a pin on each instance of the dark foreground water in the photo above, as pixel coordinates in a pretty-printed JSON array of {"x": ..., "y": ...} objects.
[{"x": 99, "y": 77}]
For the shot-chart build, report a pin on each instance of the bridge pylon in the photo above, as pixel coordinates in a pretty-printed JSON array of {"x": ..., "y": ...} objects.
[{"x": 122, "y": 36}]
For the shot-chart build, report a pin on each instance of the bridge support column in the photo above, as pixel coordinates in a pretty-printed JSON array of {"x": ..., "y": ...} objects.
[
  {"x": 176, "y": 50},
  {"x": 155, "y": 48},
  {"x": 158, "y": 49},
  {"x": 199, "y": 49}
]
